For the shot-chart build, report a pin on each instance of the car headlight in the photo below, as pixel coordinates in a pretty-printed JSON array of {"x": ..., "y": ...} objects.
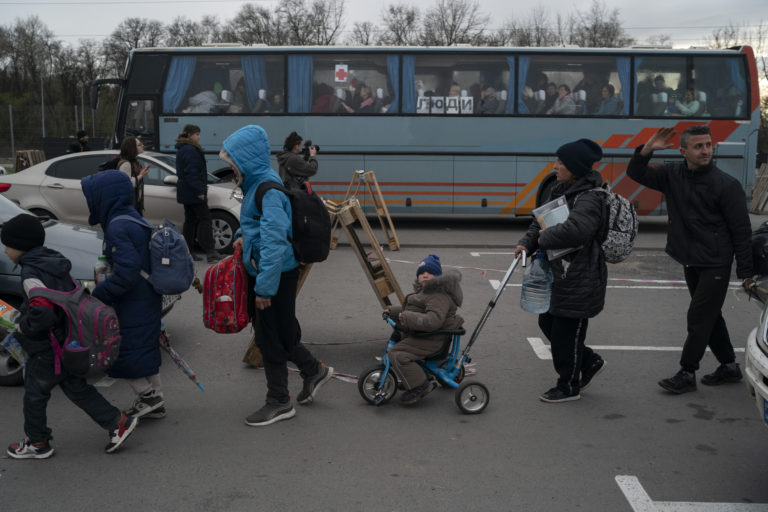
[
  {"x": 87, "y": 283},
  {"x": 238, "y": 195},
  {"x": 762, "y": 331}
]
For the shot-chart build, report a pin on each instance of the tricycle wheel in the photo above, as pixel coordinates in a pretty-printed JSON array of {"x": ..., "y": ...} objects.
[
  {"x": 370, "y": 388},
  {"x": 472, "y": 397}
]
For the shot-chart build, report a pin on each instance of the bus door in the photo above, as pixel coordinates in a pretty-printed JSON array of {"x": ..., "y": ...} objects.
[{"x": 140, "y": 121}]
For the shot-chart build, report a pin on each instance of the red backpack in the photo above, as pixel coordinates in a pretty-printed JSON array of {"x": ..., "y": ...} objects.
[{"x": 225, "y": 295}]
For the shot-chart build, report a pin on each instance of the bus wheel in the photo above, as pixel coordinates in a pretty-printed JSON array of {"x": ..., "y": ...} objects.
[
  {"x": 545, "y": 189},
  {"x": 224, "y": 227}
]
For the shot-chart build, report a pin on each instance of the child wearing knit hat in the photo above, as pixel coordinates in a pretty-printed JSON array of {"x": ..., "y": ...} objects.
[
  {"x": 431, "y": 307},
  {"x": 23, "y": 237}
]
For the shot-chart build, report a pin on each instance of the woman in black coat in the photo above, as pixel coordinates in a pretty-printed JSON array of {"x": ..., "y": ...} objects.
[
  {"x": 192, "y": 192},
  {"x": 581, "y": 276}
]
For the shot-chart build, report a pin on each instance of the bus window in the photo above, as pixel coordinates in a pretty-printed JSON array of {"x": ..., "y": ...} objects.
[
  {"x": 458, "y": 84},
  {"x": 720, "y": 87},
  {"x": 229, "y": 84},
  {"x": 573, "y": 85},
  {"x": 344, "y": 84},
  {"x": 660, "y": 83}
]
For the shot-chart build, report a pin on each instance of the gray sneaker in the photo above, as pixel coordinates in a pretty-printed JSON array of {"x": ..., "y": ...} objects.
[
  {"x": 145, "y": 404},
  {"x": 271, "y": 413},
  {"x": 313, "y": 383}
]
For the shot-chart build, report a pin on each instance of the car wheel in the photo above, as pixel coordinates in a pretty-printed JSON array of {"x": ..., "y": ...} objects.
[
  {"x": 11, "y": 373},
  {"x": 224, "y": 228},
  {"x": 42, "y": 213},
  {"x": 224, "y": 174}
]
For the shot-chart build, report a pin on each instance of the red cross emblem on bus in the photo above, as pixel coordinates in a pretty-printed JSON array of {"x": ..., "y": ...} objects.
[{"x": 341, "y": 75}]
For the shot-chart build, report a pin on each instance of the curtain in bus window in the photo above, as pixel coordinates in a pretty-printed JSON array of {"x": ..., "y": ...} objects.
[
  {"x": 409, "y": 84},
  {"x": 179, "y": 77},
  {"x": 525, "y": 62},
  {"x": 393, "y": 77},
  {"x": 255, "y": 73},
  {"x": 299, "y": 83},
  {"x": 511, "y": 86},
  {"x": 736, "y": 76},
  {"x": 638, "y": 93},
  {"x": 623, "y": 66}
]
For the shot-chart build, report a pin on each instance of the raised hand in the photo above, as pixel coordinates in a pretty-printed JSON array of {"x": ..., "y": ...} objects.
[{"x": 660, "y": 140}]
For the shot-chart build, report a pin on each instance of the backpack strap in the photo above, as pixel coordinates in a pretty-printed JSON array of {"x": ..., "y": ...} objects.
[{"x": 263, "y": 188}]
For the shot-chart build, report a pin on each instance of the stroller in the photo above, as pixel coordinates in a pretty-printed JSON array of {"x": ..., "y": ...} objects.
[{"x": 378, "y": 384}]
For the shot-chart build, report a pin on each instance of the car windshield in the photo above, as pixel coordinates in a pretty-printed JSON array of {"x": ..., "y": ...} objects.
[
  {"x": 9, "y": 209},
  {"x": 170, "y": 160}
]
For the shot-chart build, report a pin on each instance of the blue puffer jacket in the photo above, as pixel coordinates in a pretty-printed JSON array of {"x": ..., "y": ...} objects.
[
  {"x": 266, "y": 235},
  {"x": 126, "y": 245}
]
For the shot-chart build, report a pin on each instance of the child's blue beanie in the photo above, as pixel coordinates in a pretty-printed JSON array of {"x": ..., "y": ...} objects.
[{"x": 430, "y": 264}]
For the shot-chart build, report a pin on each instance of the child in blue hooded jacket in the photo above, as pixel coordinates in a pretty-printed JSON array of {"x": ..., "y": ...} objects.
[
  {"x": 109, "y": 194},
  {"x": 268, "y": 258}
]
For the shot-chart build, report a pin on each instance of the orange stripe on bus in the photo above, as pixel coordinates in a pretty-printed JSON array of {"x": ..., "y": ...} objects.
[
  {"x": 617, "y": 140},
  {"x": 642, "y": 137},
  {"x": 532, "y": 186}
]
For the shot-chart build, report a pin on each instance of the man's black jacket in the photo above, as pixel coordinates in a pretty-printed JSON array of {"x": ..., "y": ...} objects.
[{"x": 708, "y": 218}]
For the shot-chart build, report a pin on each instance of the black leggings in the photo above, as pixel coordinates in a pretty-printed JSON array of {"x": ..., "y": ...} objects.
[{"x": 569, "y": 353}]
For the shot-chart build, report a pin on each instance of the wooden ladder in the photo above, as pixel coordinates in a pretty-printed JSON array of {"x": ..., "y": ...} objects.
[
  {"x": 349, "y": 215},
  {"x": 368, "y": 178}
]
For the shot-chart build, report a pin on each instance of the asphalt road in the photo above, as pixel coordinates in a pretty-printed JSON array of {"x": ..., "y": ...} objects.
[{"x": 626, "y": 445}]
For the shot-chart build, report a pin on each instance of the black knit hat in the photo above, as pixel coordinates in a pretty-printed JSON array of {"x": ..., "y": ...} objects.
[
  {"x": 430, "y": 264},
  {"x": 24, "y": 232},
  {"x": 579, "y": 156}
]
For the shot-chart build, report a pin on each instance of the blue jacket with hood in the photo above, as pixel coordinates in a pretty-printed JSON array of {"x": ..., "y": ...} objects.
[
  {"x": 267, "y": 250},
  {"x": 126, "y": 246}
]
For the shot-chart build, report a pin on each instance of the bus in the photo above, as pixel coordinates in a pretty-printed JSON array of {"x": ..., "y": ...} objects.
[{"x": 447, "y": 130}]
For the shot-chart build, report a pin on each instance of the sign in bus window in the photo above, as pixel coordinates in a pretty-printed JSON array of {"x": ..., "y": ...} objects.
[
  {"x": 347, "y": 84},
  {"x": 460, "y": 84}
]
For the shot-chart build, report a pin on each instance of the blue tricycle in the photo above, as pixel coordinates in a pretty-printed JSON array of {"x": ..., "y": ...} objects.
[{"x": 378, "y": 384}]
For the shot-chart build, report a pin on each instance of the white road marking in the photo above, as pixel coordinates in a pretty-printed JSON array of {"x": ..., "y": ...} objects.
[
  {"x": 543, "y": 350},
  {"x": 640, "y": 501},
  {"x": 495, "y": 283},
  {"x": 478, "y": 254},
  {"x": 538, "y": 346}
]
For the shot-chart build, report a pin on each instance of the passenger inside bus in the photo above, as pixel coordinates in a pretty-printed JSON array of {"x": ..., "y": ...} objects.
[
  {"x": 564, "y": 105},
  {"x": 609, "y": 105},
  {"x": 489, "y": 103}
]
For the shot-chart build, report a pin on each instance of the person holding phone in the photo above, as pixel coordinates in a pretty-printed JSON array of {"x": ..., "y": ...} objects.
[{"x": 130, "y": 149}]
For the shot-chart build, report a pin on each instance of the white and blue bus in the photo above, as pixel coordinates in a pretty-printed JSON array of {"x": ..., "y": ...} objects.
[{"x": 459, "y": 130}]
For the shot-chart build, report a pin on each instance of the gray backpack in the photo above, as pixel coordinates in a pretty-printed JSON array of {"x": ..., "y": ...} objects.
[
  {"x": 92, "y": 340},
  {"x": 621, "y": 229}
]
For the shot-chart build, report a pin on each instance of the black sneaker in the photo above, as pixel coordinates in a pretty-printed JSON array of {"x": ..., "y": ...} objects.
[
  {"x": 594, "y": 369},
  {"x": 412, "y": 396},
  {"x": 724, "y": 374},
  {"x": 27, "y": 450},
  {"x": 681, "y": 382},
  {"x": 145, "y": 404},
  {"x": 556, "y": 395},
  {"x": 124, "y": 428},
  {"x": 157, "y": 414},
  {"x": 271, "y": 413},
  {"x": 313, "y": 383}
]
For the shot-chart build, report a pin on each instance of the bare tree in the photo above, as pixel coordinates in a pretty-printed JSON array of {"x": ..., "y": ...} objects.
[
  {"x": 401, "y": 25},
  {"x": 599, "y": 27},
  {"x": 256, "y": 25},
  {"x": 131, "y": 33},
  {"x": 363, "y": 34},
  {"x": 451, "y": 22},
  {"x": 755, "y": 36},
  {"x": 664, "y": 40},
  {"x": 318, "y": 24},
  {"x": 535, "y": 30}
]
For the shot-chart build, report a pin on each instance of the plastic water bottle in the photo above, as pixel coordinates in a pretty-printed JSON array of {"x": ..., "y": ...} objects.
[
  {"x": 537, "y": 286},
  {"x": 100, "y": 269}
]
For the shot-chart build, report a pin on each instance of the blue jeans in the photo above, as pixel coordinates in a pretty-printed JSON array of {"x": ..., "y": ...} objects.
[{"x": 40, "y": 378}]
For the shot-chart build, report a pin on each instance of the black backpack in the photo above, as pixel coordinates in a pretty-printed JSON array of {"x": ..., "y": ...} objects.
[
  {"x": 760, "y": 249},
  {"x": 311, "y": 221},
  {"x": 109, "y": 164}
]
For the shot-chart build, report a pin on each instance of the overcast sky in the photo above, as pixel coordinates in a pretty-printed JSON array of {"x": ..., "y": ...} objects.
[{"x": 687, "y": 22}]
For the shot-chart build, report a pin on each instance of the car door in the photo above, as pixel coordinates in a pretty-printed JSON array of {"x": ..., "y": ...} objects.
[
  {"x": 60, "y": 186},
  {"x": 160, "y": 197}
]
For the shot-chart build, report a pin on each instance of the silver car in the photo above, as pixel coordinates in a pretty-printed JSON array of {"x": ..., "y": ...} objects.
[
  {"x": 52, "y": 189},
  {"x": 80, "y": 244}
]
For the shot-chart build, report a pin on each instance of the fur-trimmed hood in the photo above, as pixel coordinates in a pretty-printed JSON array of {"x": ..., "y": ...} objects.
[
  {"x": 447, "y": 282},
  {"x": 186, "y": 140}
]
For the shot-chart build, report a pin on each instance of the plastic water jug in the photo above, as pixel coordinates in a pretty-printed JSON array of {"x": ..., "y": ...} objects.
[
  {"x": 100, "y": 269},
  {"x": 537, "y": 286}
]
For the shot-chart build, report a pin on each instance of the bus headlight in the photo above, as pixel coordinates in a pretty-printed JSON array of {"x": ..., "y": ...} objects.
[{"x": 762, "y": 331}]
